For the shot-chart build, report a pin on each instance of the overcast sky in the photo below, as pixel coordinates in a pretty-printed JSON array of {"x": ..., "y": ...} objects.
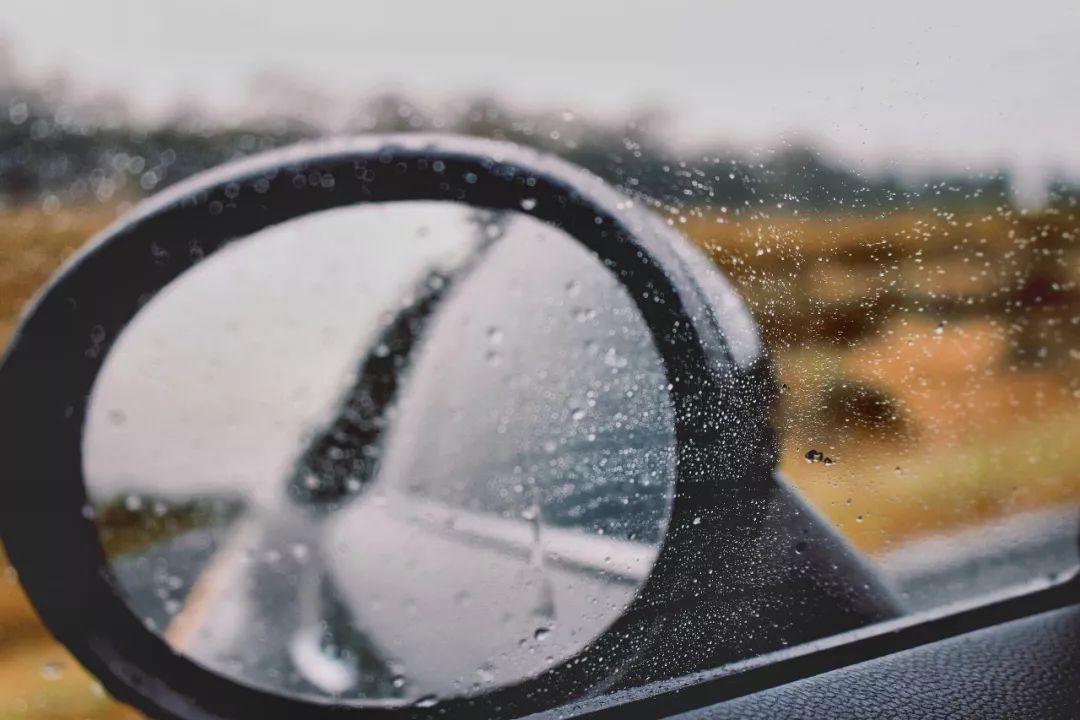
[{"x": 921, "y": 82}]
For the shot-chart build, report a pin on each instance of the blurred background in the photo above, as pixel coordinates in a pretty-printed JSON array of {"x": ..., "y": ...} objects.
[{"x": 895, "y": 191}]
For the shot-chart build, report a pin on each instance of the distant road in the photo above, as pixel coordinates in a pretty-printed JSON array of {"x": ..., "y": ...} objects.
[
  {"x": 157, "y": 577},
  {"x": 240, "y": 597},
  {"x": 961, "y": 566}
]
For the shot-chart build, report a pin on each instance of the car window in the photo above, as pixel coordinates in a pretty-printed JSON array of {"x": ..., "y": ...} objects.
[{"x": 892, "y": 195}]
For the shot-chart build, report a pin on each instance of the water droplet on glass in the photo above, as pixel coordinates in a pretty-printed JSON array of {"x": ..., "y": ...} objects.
[
  {"x": 584, "y": 314},
  {"x": 52, "y": 671}
]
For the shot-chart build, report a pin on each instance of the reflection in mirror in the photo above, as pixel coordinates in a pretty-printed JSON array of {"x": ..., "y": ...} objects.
[{"x": 396, "y": 451}]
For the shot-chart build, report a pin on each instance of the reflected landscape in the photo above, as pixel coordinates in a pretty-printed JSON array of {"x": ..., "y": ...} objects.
[{"x": 395, "y": 451}]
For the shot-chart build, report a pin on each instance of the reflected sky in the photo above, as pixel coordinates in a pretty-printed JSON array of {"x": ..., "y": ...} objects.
[{"x": 212, "y": 384}]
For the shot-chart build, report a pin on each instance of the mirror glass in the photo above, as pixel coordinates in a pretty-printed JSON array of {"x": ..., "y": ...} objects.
[{"x": 398, "y": 451}]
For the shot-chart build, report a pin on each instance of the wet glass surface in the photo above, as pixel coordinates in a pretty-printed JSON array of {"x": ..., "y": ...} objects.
[{"x": 894, "y": 191}]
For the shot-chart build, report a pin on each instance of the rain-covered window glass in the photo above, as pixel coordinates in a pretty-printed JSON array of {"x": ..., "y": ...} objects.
[{"x": 351, "y": 431}]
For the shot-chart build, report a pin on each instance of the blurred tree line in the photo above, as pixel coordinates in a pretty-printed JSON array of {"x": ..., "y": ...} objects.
[{"x": 55, "y": 150}]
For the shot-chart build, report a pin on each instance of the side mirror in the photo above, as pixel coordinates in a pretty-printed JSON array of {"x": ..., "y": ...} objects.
[{"x": 403, "y": 425}]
